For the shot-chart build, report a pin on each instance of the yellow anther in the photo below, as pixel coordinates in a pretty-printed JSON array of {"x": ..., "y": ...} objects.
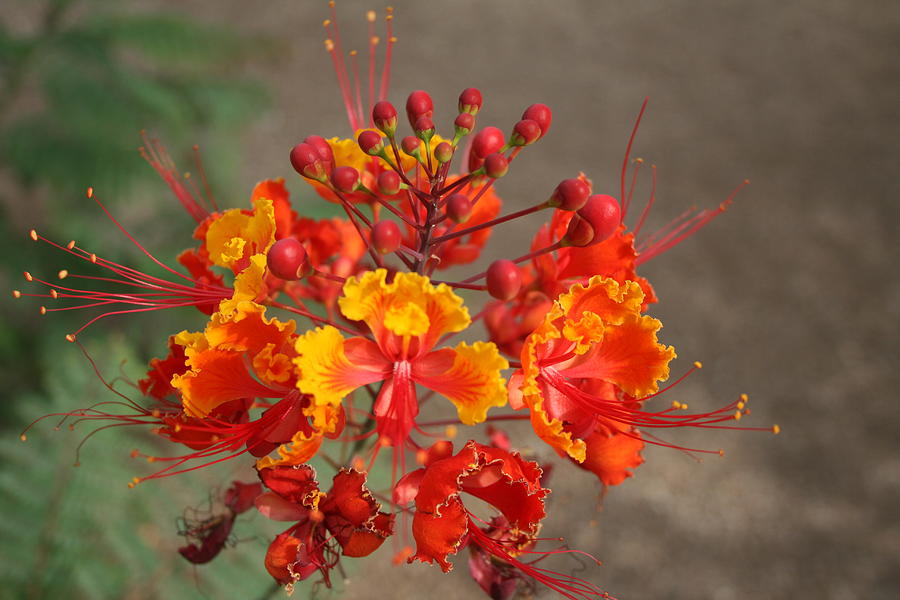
[
  {"x": 155, "y": 413},
  {"x": 698, "y": 364},
  {"x": 676, "y": 404},
  {"x": 70, "y": 338},
  {"x": 16, "y": 294},
  {"x": 389, "y": 18},
  {"x": 639, "y": 160},
  {"x": 326, "y": 22},
  {"x": 93, "y": 257},
  {"x": 331, "y": 4},
  {"x": 450, "y": 431},
  {"x": 358, "y": 464},
  {"x": 353, "y": 53},
  {"x": 746, "y": 182},
  {"x": 316, "y": 516},
  {"x": 54, "y": 294},
  {"x": 389, "y": 9},
  {"x": 135, "y": 453},
  {"x": 90, "y": 192},
  {"x": 28, "y": 276},
  {"x": 393, "y": 39},
  {"x": 24, "y": 437},
  {"x": 684, "y": 406},
  {"x": 721, "y": 453},
  {"x": 737, "y": 415},
  {"x": 740, "y": 405},
  {"x": 43, "y": 310},
  {"x": 62, "y": 274},
  {"x": 151, "y": 459},
  {"x": 421, "y": 456},
  {"x": 329, "y": 45},
  {"x": 776, "y": 429},
  {"x": 135, "y": 480},
  {"x": 70, "y": 245},
  {"x": 130, "y": 485},
  {"x": 744, "y": 397},
  {"x": 370, "y": 16},
  {"x": 33, "y": 235},
  {"x": 384, "y": 441},
  {"x": 374, "y": 40},
  {"x": 177, "y": 427}
]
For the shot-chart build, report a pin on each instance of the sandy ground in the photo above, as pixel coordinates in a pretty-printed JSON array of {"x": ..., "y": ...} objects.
[{"x": 789, "y": 297}]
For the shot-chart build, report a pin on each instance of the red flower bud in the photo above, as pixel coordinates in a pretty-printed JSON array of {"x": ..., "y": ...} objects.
[
  {"x": 503, "y": 279},
  {"x": 496, "y": 165},
  {"x": 443, "y": 152},
  {"x": 459, "y": 208},
  {"x": 286, "y": 259},
  {"x": 410, "y": 145},
  {"x": 470, "y": 101},
  {"x": 388, "y": 183},
  {"x": 370, "y": 142},
  {"x": 306, "y": 161},
  {"x": 385, "y": 236},
  {"x": 570, "y": 194},
  {"x": 384, "y": 115},
  {"x": 418, "y": 104},
  {"x": 595, "y": 222},
  {"x": 323, "y": 148},
  {"x": 525, "y": 132},
  {"x": 464, "y": 123},
  {"x": 487, "y": 141},
  {"x": 424, "y": 128},
  {"x": 345, "y": 179},
  {"x": 541, "y": 114}
]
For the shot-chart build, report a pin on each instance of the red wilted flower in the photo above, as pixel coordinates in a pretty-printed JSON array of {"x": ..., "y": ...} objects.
[
  {"x": 346, "y": 516},
  {"x": 208, "y": 535}
]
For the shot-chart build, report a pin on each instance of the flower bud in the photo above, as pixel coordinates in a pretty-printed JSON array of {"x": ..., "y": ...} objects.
[
  {"x": 496, "y": 165},
  {"x": 459, "y": 208},
  {"x": 419, "y": 104},
  {"x": 345, "y": 179},
  {"x": 306, "y": 161},
  {"x": 287, "y": 259},
  {"x": 371, "y": 142},
  {"x": 464, "y": 124},
  {"x": 443, "y": 152},
  {"x": 525, "y": 132},
  {"x": 503, "y": 279},
  {"x": 385, "y": 236},
  {"x": 487, "y": 141},
  {"x": 323, "y": 148},
  {"x": 541, "y": 114},
  {"x": 424, "y": 128},
  {"x": 470, "y": 101},
  {"x": 384, "y": 115},
  {"x": 388, "y": 183},
  {"x": 595, "y": 222},
  {"x": 411, "y": 145},
  {"x": 570, "y": 194}
]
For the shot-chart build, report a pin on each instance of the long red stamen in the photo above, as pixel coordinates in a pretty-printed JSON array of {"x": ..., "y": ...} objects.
[{"x": 155, "y": 154}]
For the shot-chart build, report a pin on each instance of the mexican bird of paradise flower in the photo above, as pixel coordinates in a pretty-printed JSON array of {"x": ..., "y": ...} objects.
[{"x": 308, "y": 319}]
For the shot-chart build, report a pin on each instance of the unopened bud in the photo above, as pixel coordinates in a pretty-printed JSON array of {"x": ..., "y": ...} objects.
[
  {"x": 424, "y": 128},
  {"x": 525, "y": 132},
  {"x": 370, "y": 142},
  {"x": 496, "y": 165},
  {"x": 287, "y": 259},
  {"x": 541, "y": 114},
  {"x": 384, "y": 115},
  {"x": 419, "y": 104},
  {"x": 345, "y": 179},
  {"x": 459, "y": 208},
  {"x": 570, "y": 194},
  {"x": 443, "y": 152},
  {"x": 410, "y": 145},
  {"x": 470, "y": 101},
  {"x": 487, "y": 141},
  {"x": 388, "y": 183},
  {"x": 385, "y": 236},
  {"x": 503, "y": 279},
  {"x": 323, "y": 148},
  {"x": 306, "y": 161},
  {"x": 464, "y": 124},
  {"x": 595, "y": 222}
]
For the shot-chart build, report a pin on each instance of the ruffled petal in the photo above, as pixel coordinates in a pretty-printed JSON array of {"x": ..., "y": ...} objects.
[
  {"x": 603, "y": 297},
  {"x": 302, "y": 447},
  {"x": 237, "y": 234},
  {"x": 469, "y": 376},
  {"x": 327, "y": 373},
  {"x": 249, "y": 285},
  {"x": 611, "y": 457},
  {"x": 439, "y": 534}
]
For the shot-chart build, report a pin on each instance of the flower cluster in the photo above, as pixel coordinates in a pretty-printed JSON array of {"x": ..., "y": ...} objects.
[{"x": 323, "y": 338}]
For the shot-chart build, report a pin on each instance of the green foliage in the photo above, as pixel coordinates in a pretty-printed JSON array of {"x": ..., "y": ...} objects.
[{"x": 77, "y": 533}]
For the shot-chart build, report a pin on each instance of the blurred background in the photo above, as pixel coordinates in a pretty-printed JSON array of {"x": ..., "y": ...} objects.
[{"x": 789, "y": 297}]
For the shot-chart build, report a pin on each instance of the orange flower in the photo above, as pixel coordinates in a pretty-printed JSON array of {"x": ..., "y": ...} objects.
[{"x": 406, "y": 317}]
